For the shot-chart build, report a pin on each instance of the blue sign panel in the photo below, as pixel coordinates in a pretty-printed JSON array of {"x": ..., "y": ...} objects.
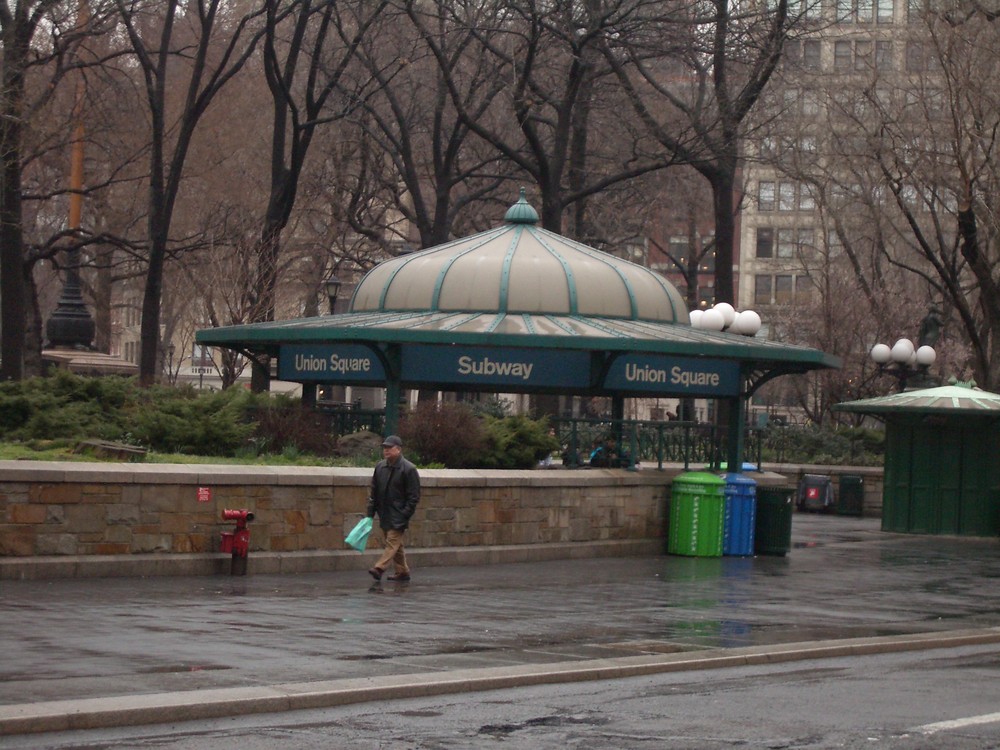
[
  {"x": 348, "y": 363},
  {"x": 525, "y": 368},
  {"x": 678, "y": 376}
]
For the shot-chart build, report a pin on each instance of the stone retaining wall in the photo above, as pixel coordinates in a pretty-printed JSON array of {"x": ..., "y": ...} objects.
[{"x": 97, "y": 510}]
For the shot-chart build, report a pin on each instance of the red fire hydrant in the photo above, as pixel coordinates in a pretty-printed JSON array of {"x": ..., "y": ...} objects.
[{"x": 237, "y": 541}]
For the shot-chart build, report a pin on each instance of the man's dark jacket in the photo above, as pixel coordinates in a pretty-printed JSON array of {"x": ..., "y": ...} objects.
[{"x": 395, "y": 492}]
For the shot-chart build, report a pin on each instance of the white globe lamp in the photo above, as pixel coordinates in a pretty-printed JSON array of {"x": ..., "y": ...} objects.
[
  {"x": 901, "y": 351},
  {"x": 926, "y": 356},
  {"x": 881, "y": 354},
  {"x": 728, "y": 313},
  {"x": 712, "y": 320}
]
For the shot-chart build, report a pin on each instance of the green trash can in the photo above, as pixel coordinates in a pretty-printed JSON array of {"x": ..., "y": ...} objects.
[
  {"x": 697, "y": 504},
  {"x": 773, "y": 525},
  {"x": 851, "y": 497}
]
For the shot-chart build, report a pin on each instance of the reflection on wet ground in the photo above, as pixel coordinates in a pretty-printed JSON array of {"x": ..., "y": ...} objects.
[{"x": 842, "y": 578}]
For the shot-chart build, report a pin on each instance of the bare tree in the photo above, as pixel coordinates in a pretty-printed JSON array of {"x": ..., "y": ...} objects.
[
  {"x": 186, "y": 54},
  {"x": 440, "y": 168},
  {"x": 307, "y": 48},
  {"x": 693, "y": 75},
  {"x": 552, "y": 86},
  {"x": 907, "y": 181},
  {"x": 25, "y": 52}
]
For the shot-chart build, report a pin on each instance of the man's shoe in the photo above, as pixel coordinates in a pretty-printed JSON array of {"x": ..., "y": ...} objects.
[
  {"x": 401, "y": 578},
  {"x": 376, "y": 573}
]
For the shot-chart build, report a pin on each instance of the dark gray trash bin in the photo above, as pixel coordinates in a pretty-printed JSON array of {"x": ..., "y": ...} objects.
[
  {"x": 851, "y": 495},
  {"x": 815, "y": 493}
]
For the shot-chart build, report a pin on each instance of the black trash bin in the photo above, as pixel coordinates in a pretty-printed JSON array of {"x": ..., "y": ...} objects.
[
  {"x": 851, "y": 495},
  {"x": 815, "y": 493},
  {"x": 773, "y": 523}
]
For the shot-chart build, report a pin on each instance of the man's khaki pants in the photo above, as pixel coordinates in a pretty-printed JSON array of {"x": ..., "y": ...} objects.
[{"x": 394, "y": 553}]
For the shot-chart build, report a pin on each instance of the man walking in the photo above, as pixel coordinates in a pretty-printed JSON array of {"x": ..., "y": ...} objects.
[{"x": 395, "y": 492}]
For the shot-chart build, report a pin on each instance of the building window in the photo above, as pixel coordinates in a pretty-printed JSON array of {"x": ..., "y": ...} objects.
[
  {"x": 762, "y": 289},
  {"x": 791, "y": 100},
  {"x": 786, "y": 196},
  {"x": 810, "y": 103},
  {"x": 862, "y": 55},
  {"x": 765, "y": 196},
  {"x": 804, "y": 289},
  {"x": 792, "y": 196},
  {"x": 783, "y": 290},
  {"x": 864, "y": 11},
  {"x": 811, "y": 54},
  {"x": 843, "y": 54},
  {"x": 883, "y": 55},
  {"x": 765, "y": 242},
  {"x": 920, "y": 59},
  {"x": 806, "y": 240},
  {"x": 679, "y": 250},
  {"x": 833, "y": 244},
  {"x": 201, "y": 356},
  {"x": 786, "y": 243},
  {"x": 806, "y": 200}
]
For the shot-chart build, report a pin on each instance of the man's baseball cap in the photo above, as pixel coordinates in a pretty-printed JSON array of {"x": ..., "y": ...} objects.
[{"x": 392, "y": 441}]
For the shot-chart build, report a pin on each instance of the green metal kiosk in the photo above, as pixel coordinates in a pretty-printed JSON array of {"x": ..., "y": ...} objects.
[{"x": 942, "y": 460}]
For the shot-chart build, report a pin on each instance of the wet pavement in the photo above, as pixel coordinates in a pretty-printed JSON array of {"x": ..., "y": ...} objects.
[{"x": 67, "y": 641}]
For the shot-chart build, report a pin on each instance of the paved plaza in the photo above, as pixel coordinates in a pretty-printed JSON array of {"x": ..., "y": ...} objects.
[{"x": 112, "y": 651}]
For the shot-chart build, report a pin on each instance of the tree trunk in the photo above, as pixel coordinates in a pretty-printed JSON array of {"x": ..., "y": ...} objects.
[
  {"x": 13, "y": 297},
  {"x": 723, "y": 203},
  {"x": 149, "y": 332}
]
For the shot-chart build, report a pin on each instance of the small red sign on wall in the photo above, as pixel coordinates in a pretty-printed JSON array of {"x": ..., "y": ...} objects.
[{"x": 204, "y": 494}]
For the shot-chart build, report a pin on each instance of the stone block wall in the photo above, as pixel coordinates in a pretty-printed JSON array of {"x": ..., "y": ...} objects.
[{"x": 54, "y": 509}]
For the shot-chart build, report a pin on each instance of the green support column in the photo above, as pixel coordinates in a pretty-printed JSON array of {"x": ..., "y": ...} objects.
[
  {"x": 393, "y": 389},
  {"x": 737, "y": 427},
  {"x": 309, "y": 394}
]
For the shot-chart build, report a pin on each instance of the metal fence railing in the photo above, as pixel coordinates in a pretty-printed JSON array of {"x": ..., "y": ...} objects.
[
  {"x": 647, "y": 442},
  {"x": 650, "y": 442}
]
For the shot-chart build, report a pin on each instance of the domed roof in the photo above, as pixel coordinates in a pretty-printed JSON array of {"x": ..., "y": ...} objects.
[{"x": 519, "y": 268}]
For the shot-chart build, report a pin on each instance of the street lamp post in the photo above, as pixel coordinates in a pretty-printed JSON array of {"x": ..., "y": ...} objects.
[{"x": 904, "y": 361}]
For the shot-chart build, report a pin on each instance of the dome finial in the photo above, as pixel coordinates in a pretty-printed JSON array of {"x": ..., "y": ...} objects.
[{"x": 521, "y": 212}]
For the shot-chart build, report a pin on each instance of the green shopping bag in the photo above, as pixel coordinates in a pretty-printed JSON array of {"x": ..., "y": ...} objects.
[{"x": 358, "y": 538}]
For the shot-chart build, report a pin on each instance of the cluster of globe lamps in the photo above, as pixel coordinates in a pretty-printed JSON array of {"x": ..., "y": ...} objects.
[
  {"x": 724, "y": 317},
  {"x": 903, "y": 360},
  {"x": 903, "y": 354}
]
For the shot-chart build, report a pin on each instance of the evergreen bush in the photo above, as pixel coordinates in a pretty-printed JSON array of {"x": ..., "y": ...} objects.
[{"x": 517, "y": 442}]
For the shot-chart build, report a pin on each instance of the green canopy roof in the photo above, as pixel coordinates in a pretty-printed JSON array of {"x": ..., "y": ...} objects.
[
  {"x": 499, "y": 329},
  {"x": 949, "y": 399},
  {"x": 519, "y": 285}
]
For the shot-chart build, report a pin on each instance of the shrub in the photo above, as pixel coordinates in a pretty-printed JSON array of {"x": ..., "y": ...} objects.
[
  {"x": 284, "y": 425},
  {"x": 447, "y": 433},
  {"x": 63, "y": 405},
  {"x": 517, "y": 442},
  {"x": 815, "y": 445},
  {"x": 184, "y": 420}
]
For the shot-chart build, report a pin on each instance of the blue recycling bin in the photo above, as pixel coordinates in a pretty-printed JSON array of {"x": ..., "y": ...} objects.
[{"x": 739, "y": 515}]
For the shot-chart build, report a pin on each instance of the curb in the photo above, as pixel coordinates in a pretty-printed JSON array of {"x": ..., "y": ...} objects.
[
  {"x": 315, "y": 561},
  {"x": 161, "y": 708}
]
